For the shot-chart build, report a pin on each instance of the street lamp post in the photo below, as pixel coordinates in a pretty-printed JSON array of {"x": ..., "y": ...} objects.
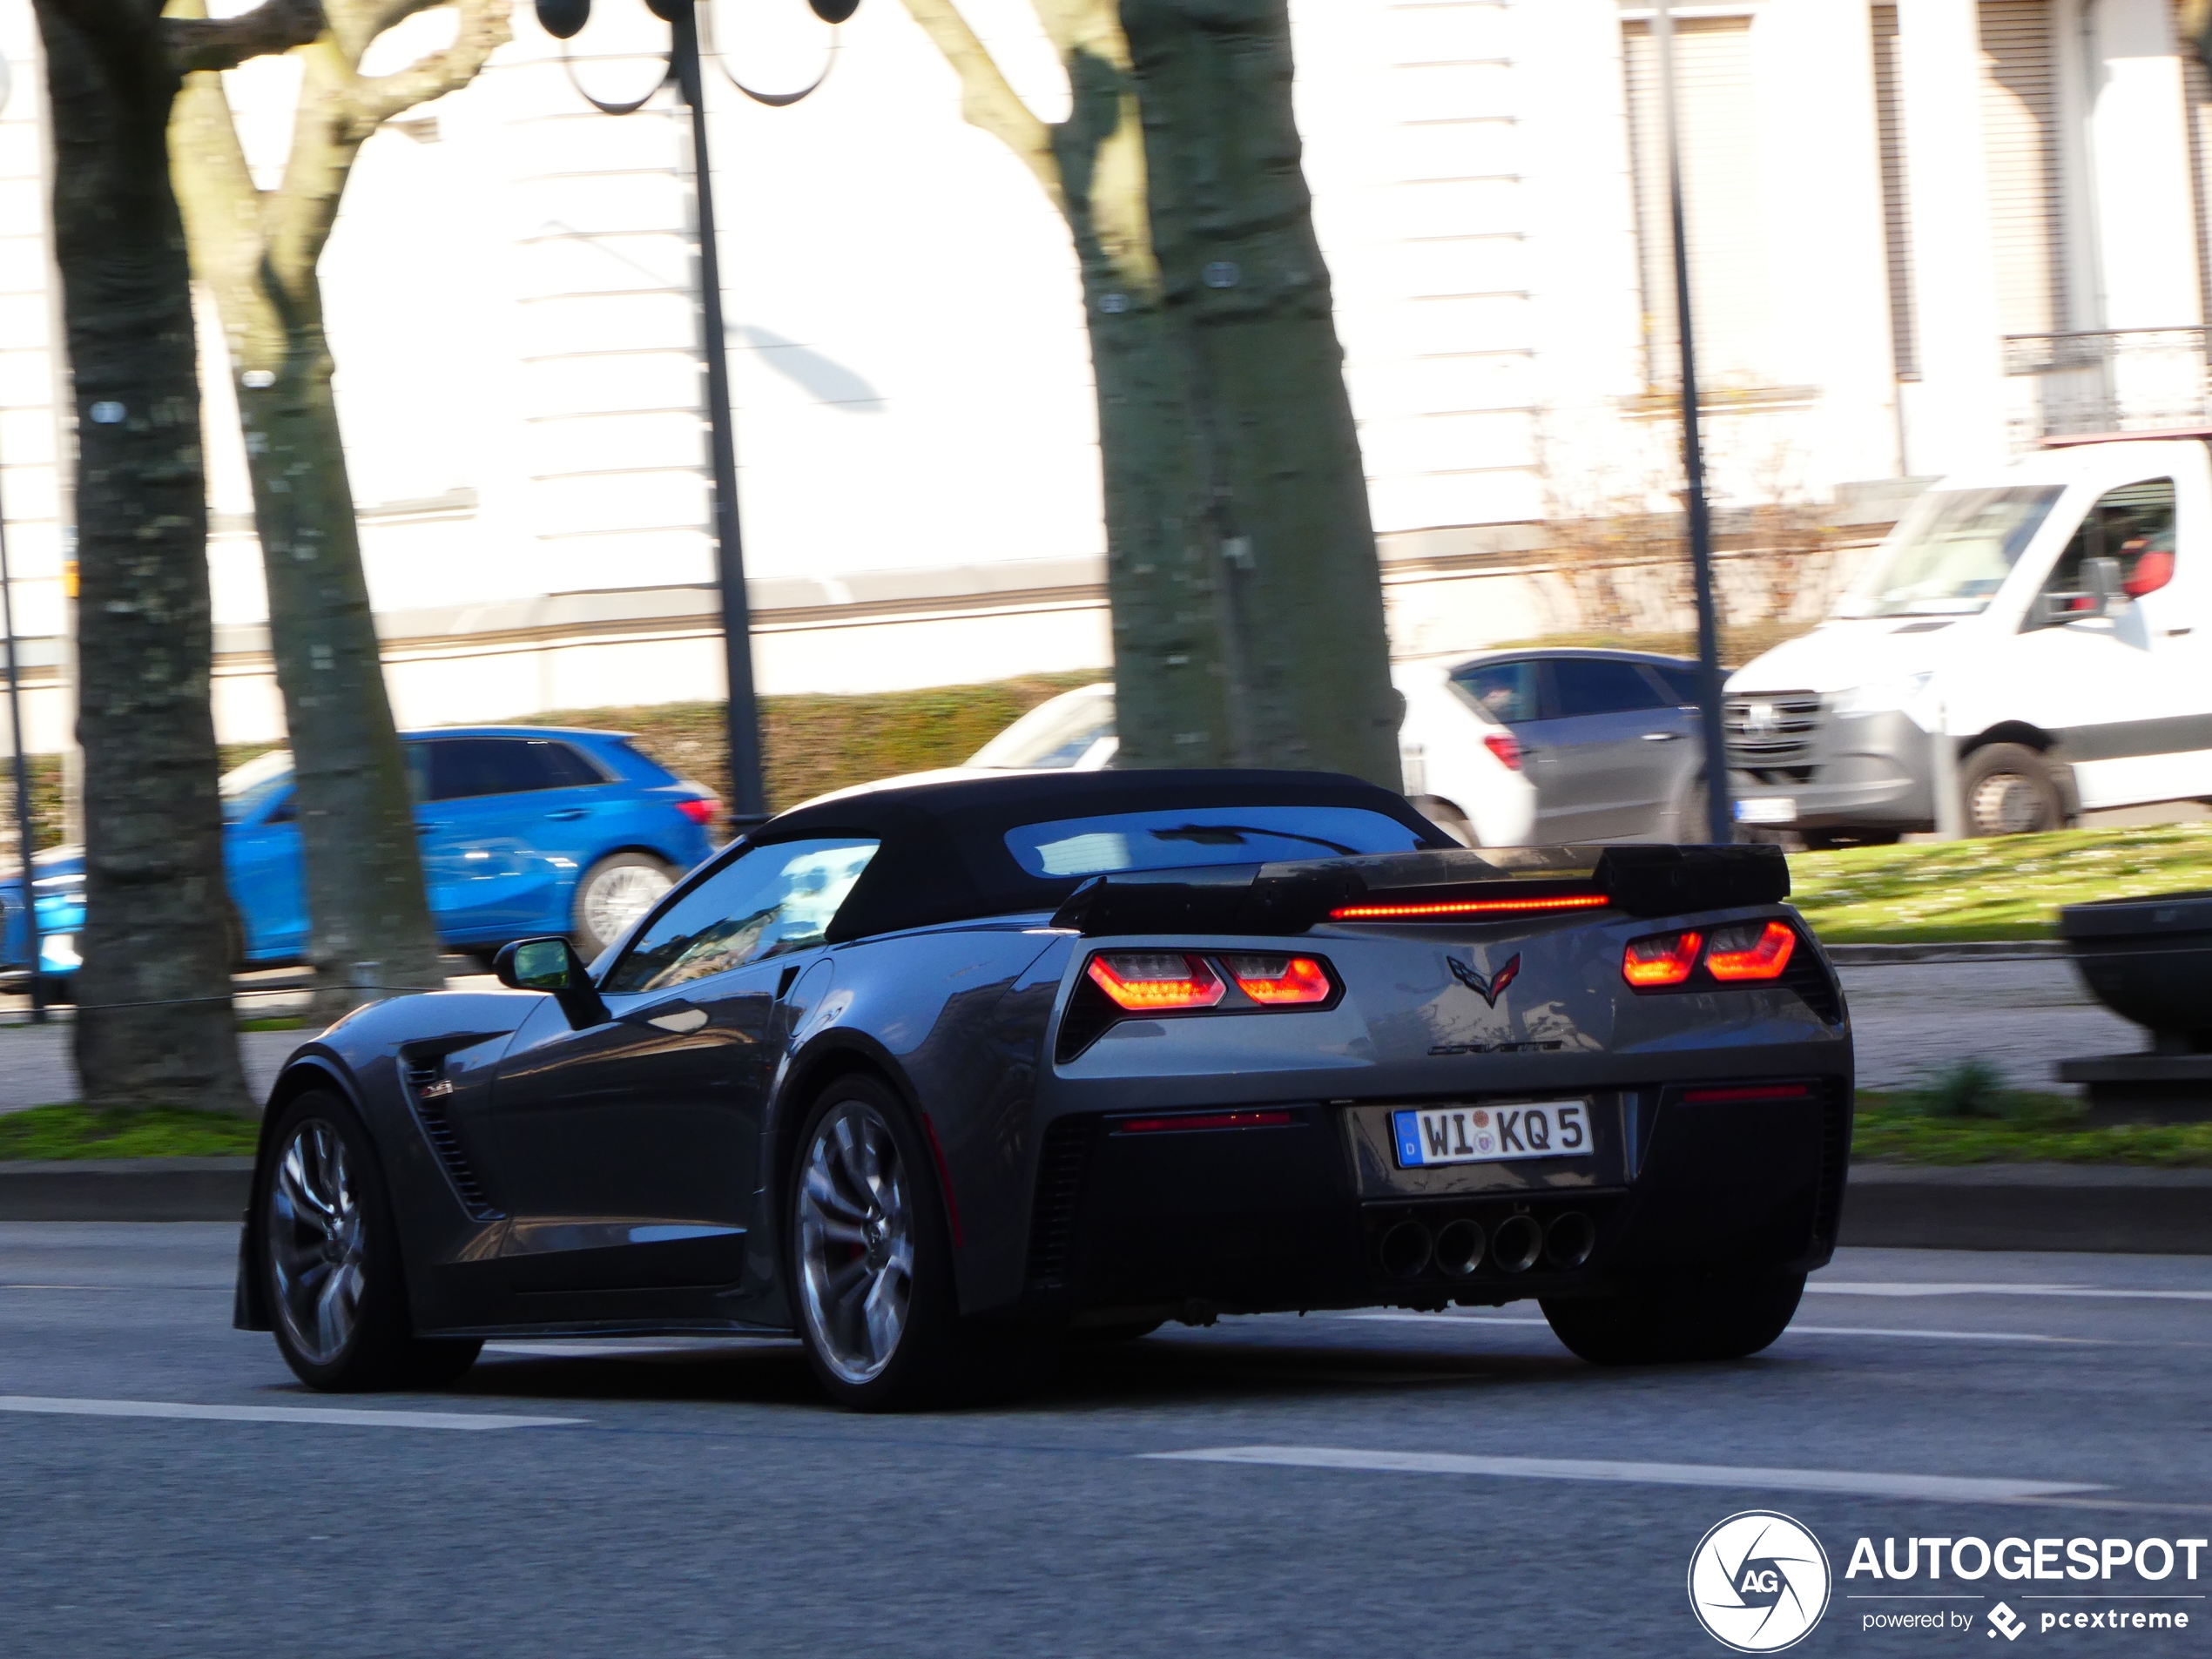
[
  {"x": 562, "y": 19},
  {"x": 24, "y": 842},
  {"x": 1720, "y": 819}
]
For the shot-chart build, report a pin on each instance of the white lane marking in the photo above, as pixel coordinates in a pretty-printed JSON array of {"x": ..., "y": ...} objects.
[
  {"x": 626, "y": 1348},
  {"x": 1855, "y": 1287},
  {"x": 1794, "y": 1330},
  {"x": 56, "y": 1406},
  {"x": 1956, "y": 1487}
]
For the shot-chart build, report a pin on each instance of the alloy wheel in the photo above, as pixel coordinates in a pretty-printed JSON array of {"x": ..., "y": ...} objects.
[
  {"x": 856, "y": 1253},
  {"x": 317, "y": 1249},
  {"x": 2004, "y": 803},
  {"x": 618, "y": 897}
]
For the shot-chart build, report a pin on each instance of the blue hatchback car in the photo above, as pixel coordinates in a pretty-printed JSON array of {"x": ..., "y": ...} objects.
[{"x": 525, "y": 830}]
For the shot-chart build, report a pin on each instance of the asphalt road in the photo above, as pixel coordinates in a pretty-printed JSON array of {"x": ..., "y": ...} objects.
[{"x": 701, "y": 1500}]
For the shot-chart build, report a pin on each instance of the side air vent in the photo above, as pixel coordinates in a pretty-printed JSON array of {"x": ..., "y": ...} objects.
[
  {"x": 428, "y": 1089},
  {"x": 1060, "y": 1181},
  {"x": 1811, "y": 978}
]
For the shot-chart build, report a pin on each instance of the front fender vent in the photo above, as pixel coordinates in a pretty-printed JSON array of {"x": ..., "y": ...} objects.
[{"x": 428, "y": 1090}]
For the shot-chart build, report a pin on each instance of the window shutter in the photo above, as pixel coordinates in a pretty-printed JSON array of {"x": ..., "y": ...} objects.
[
  {"x": 2020, "y": 145},
  {"x": 1721, "y": 200},
  {"x": 1896, "y": 224}
]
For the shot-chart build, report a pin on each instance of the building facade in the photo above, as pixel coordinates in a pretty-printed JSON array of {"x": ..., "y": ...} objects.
[{"x": 1922, "y": 236}]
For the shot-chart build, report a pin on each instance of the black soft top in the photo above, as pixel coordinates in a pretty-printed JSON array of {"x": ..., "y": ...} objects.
[{"x": 944, "y": 856}]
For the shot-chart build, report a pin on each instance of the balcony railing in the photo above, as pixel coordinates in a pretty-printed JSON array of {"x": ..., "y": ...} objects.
[{"x": 2115, "y": 380}]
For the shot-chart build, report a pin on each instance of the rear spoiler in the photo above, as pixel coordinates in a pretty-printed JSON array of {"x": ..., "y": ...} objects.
[{"x": 1289, "y": 898}]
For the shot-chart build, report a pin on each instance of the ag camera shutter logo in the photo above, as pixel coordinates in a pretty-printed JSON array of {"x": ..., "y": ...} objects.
[{"x": 1758, "y": 1581}]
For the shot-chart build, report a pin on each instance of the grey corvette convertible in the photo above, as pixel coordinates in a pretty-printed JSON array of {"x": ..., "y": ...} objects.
[{"x": 943, "y": 1073}]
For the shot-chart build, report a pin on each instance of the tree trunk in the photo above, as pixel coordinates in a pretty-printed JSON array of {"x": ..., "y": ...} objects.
[
  {"x": 1247, "y": 294},
  {"x": 371, "y": 927},
  {"x": 1172, "y": 685},
  {"x": 154, "y": 1023}
]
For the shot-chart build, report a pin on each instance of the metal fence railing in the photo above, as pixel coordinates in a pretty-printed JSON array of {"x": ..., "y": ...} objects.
[{"x": 2112, "y": 380}]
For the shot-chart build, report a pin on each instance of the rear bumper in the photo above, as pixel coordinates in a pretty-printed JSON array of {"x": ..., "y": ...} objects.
[{"x": 1309, "y": 1213}]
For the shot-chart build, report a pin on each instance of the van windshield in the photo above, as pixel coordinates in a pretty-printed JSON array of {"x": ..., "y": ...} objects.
[{"x": 1952, "y": 553}]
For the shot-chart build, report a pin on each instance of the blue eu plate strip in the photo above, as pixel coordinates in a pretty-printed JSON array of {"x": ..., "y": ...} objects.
[{"x": 1406, "y": 1125}]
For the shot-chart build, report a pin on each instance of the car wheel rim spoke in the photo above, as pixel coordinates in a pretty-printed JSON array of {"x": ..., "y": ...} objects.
[
  {"x": 618, "y": 897},
  {"x": 855, "y": 1244},
  {"x": 314, "y": 1242}
]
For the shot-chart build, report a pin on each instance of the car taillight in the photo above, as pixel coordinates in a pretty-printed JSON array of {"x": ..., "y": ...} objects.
[
  {"x": 1660, "y": 959},
  {"x": 1751, "y": 951},
  {"x": 1506, "y": 746},
  {"x": 1149, "y": 982},
  {"x": 700, "y": 811},
  {"x": 1279, "y": 980}
]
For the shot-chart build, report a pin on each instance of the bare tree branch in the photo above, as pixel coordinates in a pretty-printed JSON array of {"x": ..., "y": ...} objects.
[
  {"x": 377, "y": 99},
  {"x": 1092, "y": 26},
  {"x": 272, "y": 26},
  {"x": 986, "y": 99},
  {"x": 355, "y": 23}
]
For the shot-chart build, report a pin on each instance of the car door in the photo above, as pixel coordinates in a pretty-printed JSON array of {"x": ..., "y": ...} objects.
[
  {"x": 1606, "y": 751},
  {"x": 484, "y": 832},
  {"x": 630, "y": 1146},
  {"x": 261, "y": 866}
]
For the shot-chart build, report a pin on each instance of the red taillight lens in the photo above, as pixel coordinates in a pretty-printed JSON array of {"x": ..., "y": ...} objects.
[
  {"x": 1507, "y": 747},
  {"x": 1146, "y": 982},
  {"x": 1184, "y": 1120},
  {"x": 1751, "y": 951},
  {"x": 1279, "y": 980},
  {"x": 1662, "y": 959},
  {"x": 700, "y": 811}
]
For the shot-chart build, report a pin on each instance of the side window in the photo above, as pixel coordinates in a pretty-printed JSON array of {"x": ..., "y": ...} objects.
[
  {"x": 1681, "y": 683},
  {"x": 1600, "y": 685},
  {"x": 771, "y": 899},
  {"x": 462, "y": 767},
  {"x": 1505, "y": 691},
  {"x": 2133, "y": 524}
]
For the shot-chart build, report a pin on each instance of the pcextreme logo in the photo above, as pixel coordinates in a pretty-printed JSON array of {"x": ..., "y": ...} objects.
[{"x": 1758, "y": 1581}]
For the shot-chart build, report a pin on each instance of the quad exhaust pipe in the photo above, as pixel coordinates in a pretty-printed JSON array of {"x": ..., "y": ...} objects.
[{"x": 1517, "y": 1244}]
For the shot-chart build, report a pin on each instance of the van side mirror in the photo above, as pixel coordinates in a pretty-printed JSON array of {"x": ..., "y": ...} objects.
[
  {"x": 2100, "y": 596},
  {"x": 551, "y": 964}
]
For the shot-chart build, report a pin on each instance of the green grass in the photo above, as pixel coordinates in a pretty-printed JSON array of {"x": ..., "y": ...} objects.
[
  {"x": 2009, "y": 887},
  {"x": 77, "y": 1131},
  {"x": 1964, "y": 1118}
]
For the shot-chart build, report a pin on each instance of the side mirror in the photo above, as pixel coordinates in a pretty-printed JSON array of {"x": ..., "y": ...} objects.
[
  {"x": 2101, "y": 577},
  {"x": 552, "y": 965}
]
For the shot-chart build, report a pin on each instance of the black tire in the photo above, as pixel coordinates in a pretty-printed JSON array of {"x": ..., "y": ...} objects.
[
  {"x": 2007, "y": 789},
  {"x": 1672, "y": 1323},
  {"x": 302, "y": 1245},
  {"x": 611, "y": 895},
  {"x": 935, "y": 1359}
]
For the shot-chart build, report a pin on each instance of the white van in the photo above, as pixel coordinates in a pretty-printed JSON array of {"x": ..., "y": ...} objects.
[{"x": 2050, "y": 620}]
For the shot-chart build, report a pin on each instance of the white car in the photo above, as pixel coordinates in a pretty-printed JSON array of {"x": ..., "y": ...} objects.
[{"x": 1503, "y": 749}]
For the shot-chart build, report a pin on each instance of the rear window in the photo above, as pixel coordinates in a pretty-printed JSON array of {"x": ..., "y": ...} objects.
[{"x": 1180, "y": 838}]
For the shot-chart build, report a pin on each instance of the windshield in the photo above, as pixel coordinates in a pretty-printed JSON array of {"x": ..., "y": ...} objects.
[
  {"x": 1175, "y": 841},
  {"x": 1952, "y": 552},
  {"x": 248, "y": 788}
]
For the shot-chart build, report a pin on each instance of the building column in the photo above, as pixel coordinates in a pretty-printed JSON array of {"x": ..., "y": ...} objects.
[
  {"x": 1954, "y": 418},
  {"x": 2139, "y": 164}
]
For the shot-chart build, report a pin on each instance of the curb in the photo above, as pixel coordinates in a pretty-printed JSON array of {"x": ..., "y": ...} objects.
[
  {"x": 1964, "y": 950},
  {"x": 2029, "y": 1207},
  {"x": 1976, "y": 1206},
  {"x": 126, "y": 1189}
]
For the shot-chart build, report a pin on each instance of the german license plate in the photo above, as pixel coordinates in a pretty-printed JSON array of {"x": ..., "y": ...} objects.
[
  {"x": 1767, "y": 809},
  {"x": 1492, "y": 1133}
]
